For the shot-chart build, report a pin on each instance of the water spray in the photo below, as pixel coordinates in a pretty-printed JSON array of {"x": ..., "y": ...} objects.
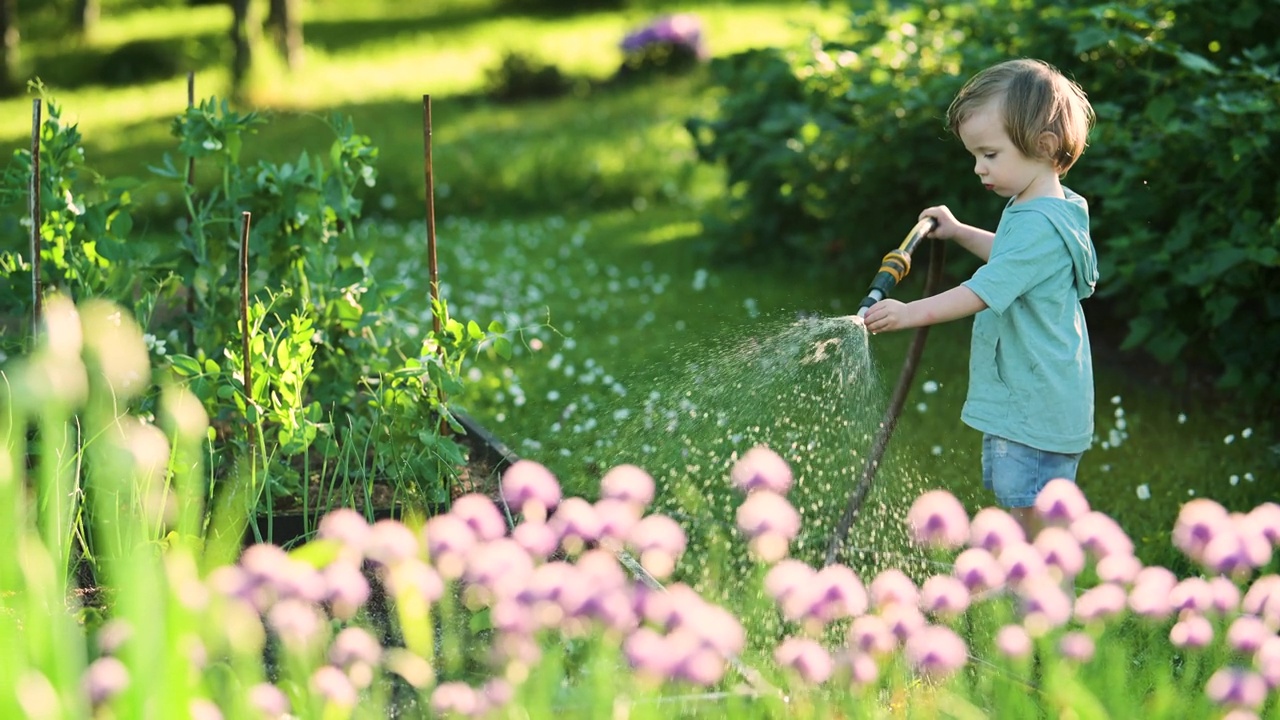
[{"x": 895, "y": 266}]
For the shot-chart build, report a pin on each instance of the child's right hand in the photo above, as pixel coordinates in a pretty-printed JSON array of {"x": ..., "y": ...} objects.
[{"x": 948, "y": 227}]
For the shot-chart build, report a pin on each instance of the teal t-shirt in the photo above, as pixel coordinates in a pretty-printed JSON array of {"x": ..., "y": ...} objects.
[{"x": 1030, "y": 370}]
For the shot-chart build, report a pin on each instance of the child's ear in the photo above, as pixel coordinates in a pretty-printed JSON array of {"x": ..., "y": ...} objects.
[{"x": 1049, "y": 143}]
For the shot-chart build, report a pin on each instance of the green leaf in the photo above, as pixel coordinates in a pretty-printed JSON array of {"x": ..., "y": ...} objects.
[
  {"x": 502, "y": 346},
  {"x": 496, "y": 328},
  {"x": 1196, "y": 63},
  {"x": 185, "y": 365},
  {"x": 473, "y": 330}
]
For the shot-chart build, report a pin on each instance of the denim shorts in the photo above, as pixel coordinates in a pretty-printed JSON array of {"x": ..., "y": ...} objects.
[{"x": 1016, "y": 473}]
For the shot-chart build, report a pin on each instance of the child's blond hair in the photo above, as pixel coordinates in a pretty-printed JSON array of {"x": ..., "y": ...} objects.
[{"x": 1036, "y": 99}]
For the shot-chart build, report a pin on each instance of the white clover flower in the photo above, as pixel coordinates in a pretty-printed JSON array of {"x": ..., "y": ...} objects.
[
  {"x": 1228, "y": 439},
  {"x": 1234, "y": 480},
  {"x": 211, "y": 144},
  {"x": 1144, "y": 492},
  {"x": 1115, "y": 399},
  {"x": 700, "y": 280},
  {"x": 1119, "y": 413},
  {"x": 930, "y": 387},
  {"x": 1248, "y": 476},
  {"x": 1182, "y": 418},
  {"x": 553, "y": 395},
  {"x": 1246, "y": 433},
  {"x": 921, "y": 407},
  {"x": 937, "y": 450},
  {"x": 1191, "y": 492}
]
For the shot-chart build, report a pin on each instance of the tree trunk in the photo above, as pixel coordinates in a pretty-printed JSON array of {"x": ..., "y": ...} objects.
[
  {"x": 285, "y": 21},
  {"x": 86, "y": 16},
  {"x": 9, "y": 42},
  {"x": 245, "y": 32}
]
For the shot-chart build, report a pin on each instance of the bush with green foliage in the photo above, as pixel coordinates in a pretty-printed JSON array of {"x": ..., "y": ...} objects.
[
  {"x": 521, "y": 76},
  {"x": 832, "y": 148}
]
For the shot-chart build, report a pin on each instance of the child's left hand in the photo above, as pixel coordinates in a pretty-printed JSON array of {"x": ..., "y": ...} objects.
[{"x": 888, "y": 315}]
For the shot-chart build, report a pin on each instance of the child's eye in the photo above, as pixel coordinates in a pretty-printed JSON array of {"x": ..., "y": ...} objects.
[{"x": 989, "y": 156}]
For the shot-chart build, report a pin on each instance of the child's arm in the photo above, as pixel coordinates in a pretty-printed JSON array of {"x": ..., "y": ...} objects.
[
  {"x": 974, "y": 239},
  {"x": 956, "y": 303}
]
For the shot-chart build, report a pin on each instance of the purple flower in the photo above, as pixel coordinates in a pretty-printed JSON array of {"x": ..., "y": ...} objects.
[
  {"x": 1076, "y": 646},
  {"x": 1237, "y": 687},
  {"x": 1198, "y": 522},
  {"x": 537, "y": 539},
  {"x": 576, "y": 523},
  {"x": 1013, "y": 641},
  {"x": 903, "y": 620},
  {"x": 614, "y": 608},
  {"x": 448, "y": 540},
  {"x": 390, "y": 541},
  {"x": 683, "y": 29},
  {"x": 1060, "y": 502},
  {"x": 629, "y": 484},
  {"x": 944, "y": 595},
  {"x": 1060, "y": 550},
  {"x": 1101, "y": 602},
  {"x": 769, "y": 522},
  {"x": 863, "y": 670},
  {"x": 871, "y": 635},
  {"x": 936, "y": 651},
  {"x": 893, "y": 587},
  {"x": 1098, "y": 534},
  {"x": 979, "y": 570},
  {"x": 938, "y": 520},
  {"x": 268, "y": 701},
  {"x": 531, "y": 487},
  {"x": 105, "y": 678},
  {"x": 1191, "y": 632},
  {"x": 1150, "y": 599},
  {"x": 481, "y": 515},
  {"x": 1235, "y": 550},
  {"x": 994, "y": 529},
  {"x": 646, "y": 652},
  {"x": 1247, "y": 633},
  {"x": 1260, "y": 594},
  {"x": 840, "y": 594},
  {"x": 761, "y": 469},
  {"x": 809, "y": 660},
  {"x": 1120, "y": 568}
]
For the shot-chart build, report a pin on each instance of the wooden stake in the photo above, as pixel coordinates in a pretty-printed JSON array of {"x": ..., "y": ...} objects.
[
  {"x": 191, "y": 102},
  {"x": 34, "y": 200}
]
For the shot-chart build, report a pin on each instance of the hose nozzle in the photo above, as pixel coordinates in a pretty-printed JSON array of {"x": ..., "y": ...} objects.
[{"x": 895, "y": 265}]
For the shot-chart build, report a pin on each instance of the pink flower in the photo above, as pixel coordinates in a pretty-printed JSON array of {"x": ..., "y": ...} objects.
[
  {"x": 333, "y": 686},
  {"x": 1267, "y": 661},
  {"x": 938, "y": 520},
  {"x": 893, "y": 587},
  {"x": 296, "y": 623},
  {"x": 1013, "y": 641},
  {"x": 347, "y": 527},
  {"x": 871, "y": 635},
  {"x": 449, "y": 539},
  {"x": 480, "y": 514},
  {"x": 454, "y": 699},
  {"x": 994, "y": 529},
  {"x": 1060, "y": 550},
  {"x": 841, "y": 594},
  {"x": 1237, "y": 687},
  {"x": 1264, "y": 592},
  {"x": 1246, "y": 634},
  {"x": 1192, "y": 594},
  {"x": 1267, "y": 519},
  {"x": 354, "y": 645},
  {"x": 390, "y": 541},
  {"x": 1100, "y": 535},
  {"x": 1198, "y": 522},
  {"x": 936, "y": 651},
  {"x": 646, "y": 651},
  {"x": 105, "y": 678},
  {"x": 1226, "y": 595},
  {"x": 1045, "y": 606},
  {"x": 979, "y": 570},
  {"x": 903, "y": 620},
  {"x": 863, "y": 670},
  {"x": 660, "y": 542},
  {"x": 346, "y": 589},
  {"x": 1021, "y": 563},
  {"x": 1191, "y": 632},
  {"x": 1101, "y": 602},
  {"x": 530, "y": 487},
  {"x": 1120, "y": 569},
  {"x": 413, "y": 577},
  {"x": 944, "y": 595},
  {"x": 617, "y": 518},
  {"x": 786, "y": 577},
  {"x": 765, "y": 511},
  {"x": 629, "y": 484},
  {"x": 268, "y": 701},
  {"x": 576, "y": 523},
  {"x": 1076, "y": 646},
  {"x": 501, "y": 567},
  {"x": 761, "y": 469},
  {"x": 1060, "y": 502},
  {"x": 1150, "y": 600},
  {"x": 1236, "y": 549},
  {"x": 537, "y": 539},
  {"x": 809, "y": 660}
]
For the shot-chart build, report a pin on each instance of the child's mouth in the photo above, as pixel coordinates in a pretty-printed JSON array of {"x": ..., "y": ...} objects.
[{"x": 989, "y": 186}]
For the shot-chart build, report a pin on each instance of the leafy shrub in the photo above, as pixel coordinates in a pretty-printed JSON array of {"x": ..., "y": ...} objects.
[
  {"x": 848, "y": 133},
  {"x": 520, "y": 76},
  {"x": 140, "y": 61}
]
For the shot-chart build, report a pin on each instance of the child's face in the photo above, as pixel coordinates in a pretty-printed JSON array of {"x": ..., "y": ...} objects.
[{"x": 1000, "y": 166}]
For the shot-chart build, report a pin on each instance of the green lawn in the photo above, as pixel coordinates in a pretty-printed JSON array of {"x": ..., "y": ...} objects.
[{"x": 583, "y": 213}]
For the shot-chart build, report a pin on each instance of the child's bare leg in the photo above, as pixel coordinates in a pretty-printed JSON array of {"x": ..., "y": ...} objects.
[{"x": 1029, "y": 520}]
